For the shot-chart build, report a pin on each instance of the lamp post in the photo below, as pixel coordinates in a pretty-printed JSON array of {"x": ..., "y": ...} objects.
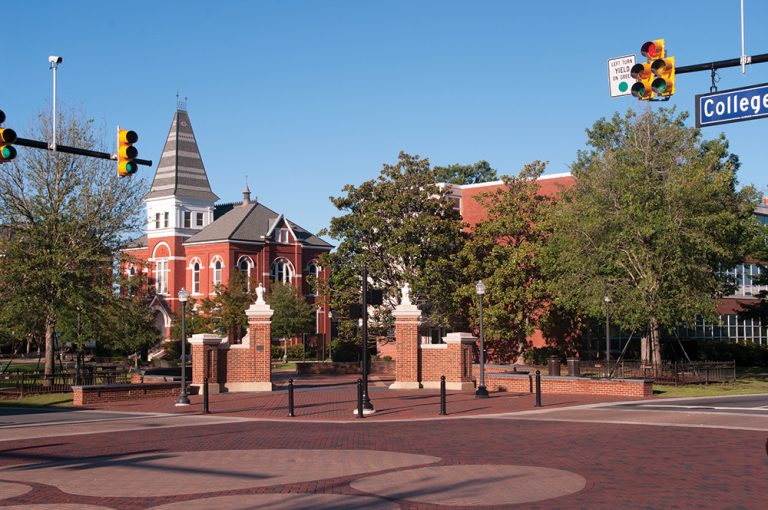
[
  {"x": 183, "y": 399},
  {"x": 481, "y": 392},
  {"x": 77, "y": 350},
  {"x": 329, "y": 333},
  {"x": 54, "y": 62},
  {"x": 367, "y": 405},
  {"x": 607, "y": 300}
]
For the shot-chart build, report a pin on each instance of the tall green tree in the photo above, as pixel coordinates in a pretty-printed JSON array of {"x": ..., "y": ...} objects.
[
  {"x": 505, "y": 251},
  {"x": 653, "y": 220},
  {"x": 293, "y": 315},
  {"x": 465, "y": 174},
  {"x": 226, "y": 310},
  {"x": 67, "y": 217},
  {"x": 403, "y": 226}
]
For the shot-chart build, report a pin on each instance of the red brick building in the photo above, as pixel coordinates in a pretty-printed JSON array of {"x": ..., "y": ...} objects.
[{"x": 195, "y": 243}]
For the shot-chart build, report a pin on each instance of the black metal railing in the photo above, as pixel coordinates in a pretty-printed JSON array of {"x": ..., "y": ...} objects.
[
  {"x": 21, "y": 382},
  {"x": 694, "y": 372}
]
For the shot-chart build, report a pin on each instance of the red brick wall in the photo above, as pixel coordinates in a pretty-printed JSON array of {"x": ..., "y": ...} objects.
[
  {"x": 454, "y": 362},
  {"x": 407, "y": 338},
  {"x": 84, "y": 395},
  {"x": 571, "y": 385}
]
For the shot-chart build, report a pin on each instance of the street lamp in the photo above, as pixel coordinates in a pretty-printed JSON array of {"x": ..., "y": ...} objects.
[
  {"x": 329, "y": 333},
  {"x": 607, "y": 300},
  {"x": 54, "y": 62},
  {"x": 183, "y": 399},
  {"x": 481, "y": 391}
]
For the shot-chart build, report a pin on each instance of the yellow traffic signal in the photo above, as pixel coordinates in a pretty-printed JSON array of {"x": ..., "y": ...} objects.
[
  {"x": 7, "y": 137},
  {"x": 657, "y": 76},
  {"x": 664, "y": 71},
  {"x": 126, "y": 152},
  {"x": 644, "y": 75}
]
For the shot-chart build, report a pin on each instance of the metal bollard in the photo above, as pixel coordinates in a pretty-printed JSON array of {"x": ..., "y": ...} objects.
[
  {"x": 538, "y": 388},
  {"x": 205, "y": 395},
  {"x": 360, "y": 399},
  {"x": 530, "y": 383},
  {"x": 442, "y": 396},
  {"x": 290, "y": 398}
]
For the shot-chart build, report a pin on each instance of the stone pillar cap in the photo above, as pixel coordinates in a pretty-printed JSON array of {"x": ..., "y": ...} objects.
[
  {"x": 459, "y": 338},
  {"x": 205, "y": 339},
  {"x": 259, "y": 310}
]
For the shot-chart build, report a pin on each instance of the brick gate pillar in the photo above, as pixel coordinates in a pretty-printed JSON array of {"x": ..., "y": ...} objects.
[
  {"x": 205, "y": 355},
  {"x": 260, "y": 343},
  {"x": 407, "y": 317}
]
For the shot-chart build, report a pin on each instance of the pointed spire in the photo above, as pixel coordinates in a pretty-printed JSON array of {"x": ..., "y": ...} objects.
[
  {"x": 181, "y": 172},
  {"x": 246, "y": 193}
]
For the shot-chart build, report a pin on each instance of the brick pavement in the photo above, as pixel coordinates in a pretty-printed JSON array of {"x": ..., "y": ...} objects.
[{"x": 341, "y": 462}]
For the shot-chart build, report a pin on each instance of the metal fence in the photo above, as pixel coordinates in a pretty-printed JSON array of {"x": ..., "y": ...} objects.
[
  {"x": 695, "y": 372},
  {"x": 24, "y": 382}
]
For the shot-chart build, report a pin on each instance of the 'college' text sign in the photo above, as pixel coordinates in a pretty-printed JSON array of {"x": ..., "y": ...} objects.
[{"x": 732, "y": 105}]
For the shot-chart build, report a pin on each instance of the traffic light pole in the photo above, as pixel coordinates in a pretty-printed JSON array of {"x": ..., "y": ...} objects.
[
  {"x": 720, "y": 64},
  {"x": 35, "y": 144}
]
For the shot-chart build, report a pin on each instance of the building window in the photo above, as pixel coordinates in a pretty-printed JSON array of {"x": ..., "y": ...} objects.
[
  {"x": 157, "y": 220},
  {"x": 161, "y": 277},
  {"x": 217, "y": 265},
  {"x": 282, "y": 271},
  {"x": 313, "y": 270},
  {"x": 165, "y": 219},
  {"x": 244, "y": 265},
  {"x": 131, "y": 272},
  {"x": 199, "y": 219},
  {"x": 187, "y": 219},
  {"x": 196, "y": 278},
  {"x": 281, "y": 235}
]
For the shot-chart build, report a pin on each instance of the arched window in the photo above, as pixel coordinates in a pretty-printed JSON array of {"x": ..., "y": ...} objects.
[
  {"x": 313, "y": 270},
  {"x": 196, "y": 277},
  {"x": 217, "y": 266},
  {"x": 244, "y": 265},
  {"x": 160, "y": 254},
  {"x": 282, "y": 271}
]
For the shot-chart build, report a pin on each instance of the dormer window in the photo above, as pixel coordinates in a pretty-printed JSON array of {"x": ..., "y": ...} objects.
[
  {"x": 281, "y": 235},
  {"x": 199, "y": 221},
  {"x": 165, "y": 219},
  {"x": 187, "y": 219},
  {"x": 157, "y": 220}
]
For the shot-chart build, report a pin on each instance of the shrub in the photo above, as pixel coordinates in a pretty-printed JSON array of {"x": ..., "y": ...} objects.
[
  {"x": 295, "y": 351},
  {"x": 276, "y": 352},
  {"x": 539, "y": 355},
  {"x": 744, "y": 355},
  {"x": 345, "y": 350}
]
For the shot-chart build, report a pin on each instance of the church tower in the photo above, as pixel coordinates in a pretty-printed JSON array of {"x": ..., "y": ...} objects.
[{"x": 180, "y": 203}]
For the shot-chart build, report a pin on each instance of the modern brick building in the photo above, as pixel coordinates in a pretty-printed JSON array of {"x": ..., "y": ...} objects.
[{"x": 191, "y": 241}]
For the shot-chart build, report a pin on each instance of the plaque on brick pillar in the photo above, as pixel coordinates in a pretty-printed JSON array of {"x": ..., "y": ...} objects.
[{"x": 407, "y": 317}]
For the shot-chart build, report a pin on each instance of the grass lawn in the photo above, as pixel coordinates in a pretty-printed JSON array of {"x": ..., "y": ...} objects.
[
  {"x": 44, "y": 400},
  {"x": 742, "y": 386},
  {"x": 284, "y": 367}
]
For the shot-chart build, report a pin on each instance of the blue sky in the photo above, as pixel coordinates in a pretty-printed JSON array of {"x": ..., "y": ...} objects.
[{"x": 305, "y": 97}]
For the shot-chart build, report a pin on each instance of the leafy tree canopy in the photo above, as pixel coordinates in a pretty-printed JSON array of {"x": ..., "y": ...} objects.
[
  {"x": 404, "y": 228},
  {"x": 465, "y": 174},
  {"x": 653, "y": 220}
]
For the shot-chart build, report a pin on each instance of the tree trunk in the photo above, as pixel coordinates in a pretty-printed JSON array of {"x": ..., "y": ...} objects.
[
  {"x": 656, "y": 345},
  {"x": 645, "y": 350},
  {"x": 50, "y": 324}
]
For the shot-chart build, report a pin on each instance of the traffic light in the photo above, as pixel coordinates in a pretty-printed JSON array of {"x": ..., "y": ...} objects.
[
  {"x": 126, "y": 152},
  {"x": 664, "y": 71},
  {"x": 642, "y": 89},
  {"x": 657, "y": 76},
  {"x": 7, "y": 137}
]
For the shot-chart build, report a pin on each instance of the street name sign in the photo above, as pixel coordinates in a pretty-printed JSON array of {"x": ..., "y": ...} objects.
[
  {"x": 733, "y": 105},
  {"x": 619, "y": 80}
]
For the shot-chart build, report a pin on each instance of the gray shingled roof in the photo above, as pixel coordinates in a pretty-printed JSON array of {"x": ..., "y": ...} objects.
[
  {"x": 180, "y": 171},
  {"x": 249, "y": 223}
]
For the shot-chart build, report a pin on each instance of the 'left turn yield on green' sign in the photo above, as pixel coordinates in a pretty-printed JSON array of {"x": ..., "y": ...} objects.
[{"x": 619, "y": 79}]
